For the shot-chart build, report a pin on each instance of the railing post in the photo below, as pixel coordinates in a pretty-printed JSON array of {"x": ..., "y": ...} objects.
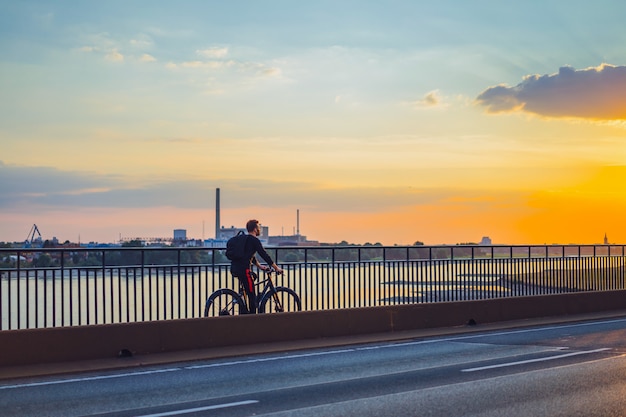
[
  {"x": 62, "y": 256},
  {"x": 178, "y": 267}
]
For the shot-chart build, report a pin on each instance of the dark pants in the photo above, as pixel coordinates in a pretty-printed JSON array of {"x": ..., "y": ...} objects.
[{"x": 247, "y": 278}]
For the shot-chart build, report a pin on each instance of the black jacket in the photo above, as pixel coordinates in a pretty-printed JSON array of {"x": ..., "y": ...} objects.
[{"x": 253, "y": 246}]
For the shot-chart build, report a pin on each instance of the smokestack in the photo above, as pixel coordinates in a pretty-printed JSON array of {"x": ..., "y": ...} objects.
[
  {"x": 217, "y": 213},
  {"x": 298, "y": 222}
]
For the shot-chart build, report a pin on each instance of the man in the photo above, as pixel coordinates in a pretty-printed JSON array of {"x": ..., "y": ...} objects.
[{"x": 242, "y": 268}]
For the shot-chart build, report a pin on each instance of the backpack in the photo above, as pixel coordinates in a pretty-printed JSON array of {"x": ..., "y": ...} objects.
[{"x": 236, "y": 247}]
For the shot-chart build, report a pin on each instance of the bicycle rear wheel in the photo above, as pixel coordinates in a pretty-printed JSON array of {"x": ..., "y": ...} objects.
[
  {"x": 224, "y": 302},
  {"x": 280, "y": 300}
]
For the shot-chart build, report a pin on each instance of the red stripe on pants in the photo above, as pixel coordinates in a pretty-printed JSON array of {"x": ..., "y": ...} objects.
[{"x": 250, "y": 280}]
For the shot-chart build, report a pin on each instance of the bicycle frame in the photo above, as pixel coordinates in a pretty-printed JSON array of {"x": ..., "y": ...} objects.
[{"x": 269, "y": 288}]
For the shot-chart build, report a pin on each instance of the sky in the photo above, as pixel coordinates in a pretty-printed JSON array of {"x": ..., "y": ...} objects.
[{"x": 379, "y": 122}]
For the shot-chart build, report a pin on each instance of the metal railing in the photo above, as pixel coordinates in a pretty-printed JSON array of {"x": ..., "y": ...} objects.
[{"x": 55, "y": 287}]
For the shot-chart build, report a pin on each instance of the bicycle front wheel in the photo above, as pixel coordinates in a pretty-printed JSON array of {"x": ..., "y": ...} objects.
[
  {"x": 280, "y": 300},
  {"x": 224, "y": 302}
]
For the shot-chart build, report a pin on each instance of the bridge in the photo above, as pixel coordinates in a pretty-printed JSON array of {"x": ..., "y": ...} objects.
[{"x": 59, "y": 304}]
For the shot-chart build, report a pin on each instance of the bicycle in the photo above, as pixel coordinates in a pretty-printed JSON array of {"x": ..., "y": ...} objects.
[{"x": 272, "y": 299}]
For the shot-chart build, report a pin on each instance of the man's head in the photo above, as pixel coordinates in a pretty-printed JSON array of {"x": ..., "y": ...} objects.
[{"x": 253, "y": 227}]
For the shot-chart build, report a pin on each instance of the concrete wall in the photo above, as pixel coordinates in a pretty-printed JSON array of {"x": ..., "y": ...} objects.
[{"x": 33, "y": 346}]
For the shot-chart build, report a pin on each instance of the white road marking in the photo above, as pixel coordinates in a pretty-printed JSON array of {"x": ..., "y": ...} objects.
[
  {"x": 274, "y": 358},
  {"x": 90, "y": 378},
  {"x": 506, "y": 332},
  {"x": 549, "y": 358},
  {"x": 197, "y": 409}
]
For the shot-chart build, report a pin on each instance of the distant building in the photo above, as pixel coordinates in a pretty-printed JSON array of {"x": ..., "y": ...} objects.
[
  {"x": 226, "y": 233},
  {"x": 606, "y": 239},
  {"x": 293, "y": 240},
  {"x": 485, "y": 241},
  {"x": 180, "y": 235}
]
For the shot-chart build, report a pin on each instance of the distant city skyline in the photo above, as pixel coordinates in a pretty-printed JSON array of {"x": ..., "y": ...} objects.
[
  {"x": 180, "y": 235},
  {"x": 389, "y": 122}
]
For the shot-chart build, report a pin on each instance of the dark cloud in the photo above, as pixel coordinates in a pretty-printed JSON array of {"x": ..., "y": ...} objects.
[
  {"x": 22, "y": 186},
  {"x": 592, "y": 93},
  {"x": 16, "y": 180},
  {"x": 44, "y": 188}
]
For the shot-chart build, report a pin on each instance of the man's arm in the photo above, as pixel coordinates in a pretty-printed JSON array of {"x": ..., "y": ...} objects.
[{"x": 266, "y": 257}]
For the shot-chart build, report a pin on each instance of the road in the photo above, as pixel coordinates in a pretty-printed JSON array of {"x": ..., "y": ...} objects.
[{"x": 574, "y": 369}]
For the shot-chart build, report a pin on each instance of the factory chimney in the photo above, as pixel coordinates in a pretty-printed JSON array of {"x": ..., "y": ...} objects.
[
  {"x": 217, "y": 213},
  {"x": 298, "y": 222}
]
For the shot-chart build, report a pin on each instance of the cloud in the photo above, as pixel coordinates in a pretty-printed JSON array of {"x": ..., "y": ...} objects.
[
  {"x": 597, "y": 93},
  {"x": 257, "y": 69},
  {"x": 117, "y": 49},
  {"x": 115, "y": 56},
  {"x": 141, "y": 42},
  {"x": 431, "y": 99},
  {"x": 147, "y": 58},
  {"x": 213, "y": 52},
  {"x": 41, "y": 189},
  {"x": 207, "y": 64},
  {"x": 217, "y": 76},
  {"x": 215, "y": 58},
  {"x": 271, "y": 72},
  {"x": 24, "y": 187}
]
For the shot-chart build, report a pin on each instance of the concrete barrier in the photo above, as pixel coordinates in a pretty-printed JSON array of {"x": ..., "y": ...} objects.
[{"x": 36, "y": 346}]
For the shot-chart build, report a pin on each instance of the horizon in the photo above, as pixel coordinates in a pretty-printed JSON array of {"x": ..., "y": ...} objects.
[
  {"x": 164, "y": 239},
  {"x": 384, "y": 123}
]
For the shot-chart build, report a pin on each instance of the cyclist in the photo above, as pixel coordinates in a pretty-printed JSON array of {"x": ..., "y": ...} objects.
[{"x": 241, "y": 269}]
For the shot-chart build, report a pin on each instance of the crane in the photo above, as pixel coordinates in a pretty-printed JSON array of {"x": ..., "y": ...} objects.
[{"x": 31, "y": 239}]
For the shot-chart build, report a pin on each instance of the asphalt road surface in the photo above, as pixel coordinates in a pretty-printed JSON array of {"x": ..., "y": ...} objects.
[{"x": 574, "y": 369}]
